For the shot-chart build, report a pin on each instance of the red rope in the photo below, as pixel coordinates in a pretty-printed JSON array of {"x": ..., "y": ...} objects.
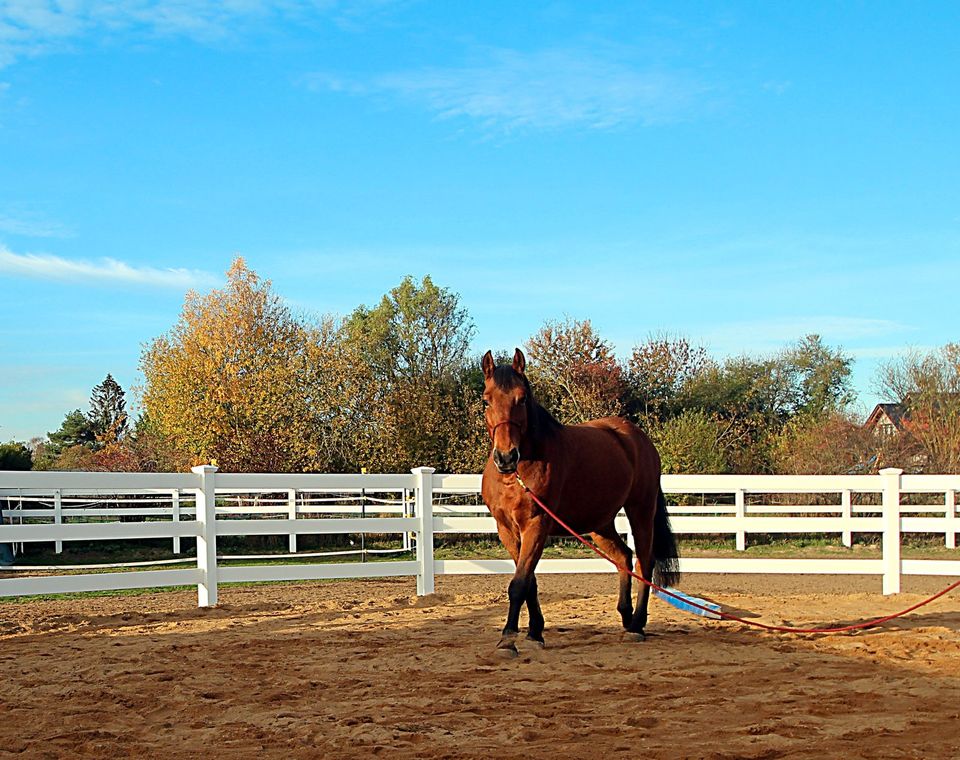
[{"x": 726, "y": 615}]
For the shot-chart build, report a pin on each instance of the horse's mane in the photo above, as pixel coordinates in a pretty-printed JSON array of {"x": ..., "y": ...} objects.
[{"x": 540, "y": 423}]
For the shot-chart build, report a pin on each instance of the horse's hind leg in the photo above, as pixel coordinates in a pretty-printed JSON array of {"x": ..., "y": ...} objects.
[
  {"x": 535, "y": 631},
  {"x": 643, "y": 542},
  {"x": 610, "y": 542}
]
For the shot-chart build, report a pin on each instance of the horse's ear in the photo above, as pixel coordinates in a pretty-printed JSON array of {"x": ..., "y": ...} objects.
[
  {"x": 488, "y": 365},
  {"x": 519, "y": 361}
]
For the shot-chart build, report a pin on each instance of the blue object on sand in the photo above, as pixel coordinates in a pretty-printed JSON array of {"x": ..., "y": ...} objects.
[{"x": 686, "y": 603}]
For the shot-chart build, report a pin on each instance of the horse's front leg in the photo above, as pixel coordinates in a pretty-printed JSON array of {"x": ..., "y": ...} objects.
[{"x": 523, "y": 587}]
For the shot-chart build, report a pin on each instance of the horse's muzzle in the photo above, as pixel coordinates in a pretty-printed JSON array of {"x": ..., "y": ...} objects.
[{"x": 506, "y": 462}]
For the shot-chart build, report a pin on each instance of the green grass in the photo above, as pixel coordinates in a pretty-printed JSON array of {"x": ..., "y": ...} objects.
[
  {"x": 806, "y": 546},
  {"x": 144, "y": 591},
  {"x": 480, "y": 547},
  {"x": 864, "y": 546},
  {"x": 92, "y": 594}
]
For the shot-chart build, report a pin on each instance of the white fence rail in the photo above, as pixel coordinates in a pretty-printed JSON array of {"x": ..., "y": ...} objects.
[{"x": 204, "y": 505}]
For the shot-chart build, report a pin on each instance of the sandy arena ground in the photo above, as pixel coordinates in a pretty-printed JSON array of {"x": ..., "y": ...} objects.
[{"x": 358, "y": 668}]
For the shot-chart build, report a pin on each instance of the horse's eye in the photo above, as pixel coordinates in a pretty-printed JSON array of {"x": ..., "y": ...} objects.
[
  {"x": 522, "y": 400},
  {"x": 486, "y": 401}
]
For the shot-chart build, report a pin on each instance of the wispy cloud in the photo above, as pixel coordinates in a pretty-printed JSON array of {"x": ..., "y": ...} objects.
[
  {"x": 33, "y": 27},
  {"x": 31, "y": 226},
  {"x": 105, "y": 271},
  {"x": 549, "y": 89}
]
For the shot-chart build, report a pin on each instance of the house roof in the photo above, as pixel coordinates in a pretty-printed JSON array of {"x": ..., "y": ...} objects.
[{"x": 896, "y": 413}]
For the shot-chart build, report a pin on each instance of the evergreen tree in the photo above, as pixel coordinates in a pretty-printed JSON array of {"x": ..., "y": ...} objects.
[
  {"x": 108, "y": 415},
  {"x": 75, "y": 430}
]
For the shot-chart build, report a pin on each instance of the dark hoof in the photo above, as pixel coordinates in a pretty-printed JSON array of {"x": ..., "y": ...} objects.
[
  {"x": 507, "y": 651},
  {"x": 508, "y": 645},
  {"x": 633, "y": 636}
]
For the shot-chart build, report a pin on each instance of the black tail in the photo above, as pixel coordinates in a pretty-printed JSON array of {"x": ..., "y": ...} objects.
[{"x": 666, "y": 570}]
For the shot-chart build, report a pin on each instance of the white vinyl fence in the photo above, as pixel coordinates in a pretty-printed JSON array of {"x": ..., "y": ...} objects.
[{"x": 206, "y": 505}]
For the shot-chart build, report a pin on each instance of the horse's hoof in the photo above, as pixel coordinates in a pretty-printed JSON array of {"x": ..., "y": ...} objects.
[
  {"x": 507, "y": 652},
  {"x": 633, "y": 636},
  {"x": 507, "y": 646},
  {"x": 536, "y": 643}
]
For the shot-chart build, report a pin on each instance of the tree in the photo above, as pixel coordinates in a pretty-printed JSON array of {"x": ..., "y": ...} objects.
[
  {"x": 749, "y": 400},
  {"x": 153, "y": 451},
  {"x": 415, "y": 344},
  {"x": 108, "y": 414},
  {"x": 658, "y": 373},
  {"x": 574, "y": 371},
  {"x": 755, "y": 398},
  {"x": 340, "y": 418},
  {"x": 15, "y": 456},
  {"x": 415, "y": 332},
  {"x": 830, "y": 444},
  {"x": 820, "y": 378},
  {"x": 76, "y": 459},
  {"x": 689, "y": 443},
  {"x": 105, "y": 424},
  {"x": 928, "y": 386},
  {"x": 75, "y": 430},
  {"x": 240, "y": 380}
]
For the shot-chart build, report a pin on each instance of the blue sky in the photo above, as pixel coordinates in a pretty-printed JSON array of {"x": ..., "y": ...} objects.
[{"x": 741, "y": 173}]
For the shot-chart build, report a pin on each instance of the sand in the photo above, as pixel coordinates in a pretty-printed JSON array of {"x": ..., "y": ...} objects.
[{"x": 359, "y": 668}]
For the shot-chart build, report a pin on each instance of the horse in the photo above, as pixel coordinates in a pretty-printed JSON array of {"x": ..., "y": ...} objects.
[{"x": 585, "y": 473}]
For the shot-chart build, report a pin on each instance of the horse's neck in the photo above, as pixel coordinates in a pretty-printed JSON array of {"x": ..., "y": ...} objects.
[{"x": 542, "y": 443}]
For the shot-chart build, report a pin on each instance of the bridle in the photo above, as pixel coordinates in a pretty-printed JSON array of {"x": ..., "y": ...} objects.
[{"x": 493, "y": 430}]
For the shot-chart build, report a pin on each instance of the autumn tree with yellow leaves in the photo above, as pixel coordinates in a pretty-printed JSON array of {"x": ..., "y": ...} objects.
[{"x": 240, "y": 380}]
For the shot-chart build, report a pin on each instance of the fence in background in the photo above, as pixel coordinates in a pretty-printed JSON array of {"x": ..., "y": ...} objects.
[{"x": 206, "y": 505}]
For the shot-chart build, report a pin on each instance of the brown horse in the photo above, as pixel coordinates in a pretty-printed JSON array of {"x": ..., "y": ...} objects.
[{"x": 585, "y": 474}]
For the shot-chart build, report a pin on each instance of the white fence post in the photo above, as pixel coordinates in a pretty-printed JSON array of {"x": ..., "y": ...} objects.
[
  {"x": 424, "y": 507},
  {"x": 58, "y": 517},
  {"x": 176, "y": 519},
  {"x": 207, "y": 535},
  {"x": 407, "y": 512},
  {"x": 891, "y": 529},
  {"x": 846, "y": 512},
  {"x": 292, "y": 512},
  {"x": 950, "y": 505},
  {"x": 741, "y": 504}
]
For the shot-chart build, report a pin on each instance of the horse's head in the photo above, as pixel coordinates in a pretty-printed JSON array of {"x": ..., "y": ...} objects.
[{"x": 506, "y": 398}]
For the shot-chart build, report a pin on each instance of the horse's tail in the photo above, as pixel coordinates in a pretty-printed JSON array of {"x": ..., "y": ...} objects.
[{"x": 666, "y": 569}]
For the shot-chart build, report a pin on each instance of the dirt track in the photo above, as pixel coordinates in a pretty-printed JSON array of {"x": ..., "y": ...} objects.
[{"x": 353, "y": 668}]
